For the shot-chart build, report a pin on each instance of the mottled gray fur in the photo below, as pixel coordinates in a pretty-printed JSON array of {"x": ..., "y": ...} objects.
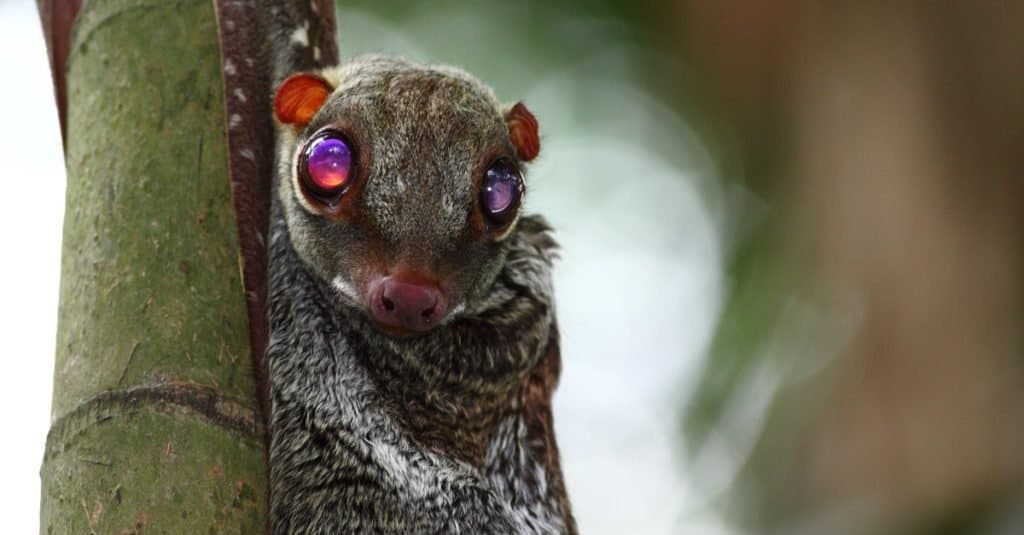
[{"x": 447, "y": 432}]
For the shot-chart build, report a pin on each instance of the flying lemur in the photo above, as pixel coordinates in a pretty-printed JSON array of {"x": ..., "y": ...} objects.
[{"x": 413, "y": 345}]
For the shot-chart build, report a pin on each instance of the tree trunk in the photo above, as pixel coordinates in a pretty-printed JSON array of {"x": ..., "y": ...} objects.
[{"x": 156, "y": 423}]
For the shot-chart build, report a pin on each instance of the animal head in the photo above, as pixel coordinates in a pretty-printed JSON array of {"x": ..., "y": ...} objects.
[{"x": 401, "y": 184}]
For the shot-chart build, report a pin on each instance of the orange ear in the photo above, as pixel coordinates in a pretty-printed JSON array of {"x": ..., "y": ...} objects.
[
  {"x": 299, "y": 98},
  {"x": 522, "y": 128}
]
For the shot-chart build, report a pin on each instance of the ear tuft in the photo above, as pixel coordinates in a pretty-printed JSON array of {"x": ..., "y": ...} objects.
[
  {"x": 522, "y": 128},
  {"x": 299, "y": 97}
]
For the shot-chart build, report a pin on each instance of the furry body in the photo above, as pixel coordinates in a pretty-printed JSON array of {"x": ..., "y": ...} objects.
[{"x": 448, "y": 432}]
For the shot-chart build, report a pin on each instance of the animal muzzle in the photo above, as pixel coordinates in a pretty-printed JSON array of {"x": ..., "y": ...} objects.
[{"x": 406, "y": 304}]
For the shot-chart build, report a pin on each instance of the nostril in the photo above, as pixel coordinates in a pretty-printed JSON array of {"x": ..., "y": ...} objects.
[{"x": 409, "y": 305}]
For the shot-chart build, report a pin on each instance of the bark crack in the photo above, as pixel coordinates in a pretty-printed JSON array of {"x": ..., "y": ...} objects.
[{"x": 203, "y": 402}]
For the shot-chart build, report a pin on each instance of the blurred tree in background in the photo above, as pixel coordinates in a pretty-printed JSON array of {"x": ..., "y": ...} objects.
[{"x": 866, "y": 375}]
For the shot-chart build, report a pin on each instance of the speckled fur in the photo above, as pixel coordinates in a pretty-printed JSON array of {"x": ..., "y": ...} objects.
[{"x": 449, "y": 432}]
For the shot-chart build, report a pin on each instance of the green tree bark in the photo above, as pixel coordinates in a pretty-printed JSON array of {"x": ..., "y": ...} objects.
[{"x": 155, "y": 420}]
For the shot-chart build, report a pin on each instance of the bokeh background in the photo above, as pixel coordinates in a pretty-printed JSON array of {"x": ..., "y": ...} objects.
[{"x": 790, "y": 292}]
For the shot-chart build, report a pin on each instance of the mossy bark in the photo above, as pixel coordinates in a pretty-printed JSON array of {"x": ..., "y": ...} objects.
[{"x": 155, "y": 421}]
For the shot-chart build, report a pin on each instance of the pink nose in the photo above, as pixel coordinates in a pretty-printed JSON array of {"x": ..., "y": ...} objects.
[{"x": 406, "y": 305}]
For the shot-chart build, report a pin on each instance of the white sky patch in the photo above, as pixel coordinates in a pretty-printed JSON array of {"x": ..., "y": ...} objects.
[{"x": 30, "y": 278}]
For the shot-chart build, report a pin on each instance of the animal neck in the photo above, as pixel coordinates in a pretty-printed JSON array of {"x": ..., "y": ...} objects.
[{"x": 448, "y": 390}]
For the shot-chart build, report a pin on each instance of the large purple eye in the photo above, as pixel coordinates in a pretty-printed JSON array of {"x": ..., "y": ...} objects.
[
  {"x": 328, "y": 163},
  {"x": 501, "y": 192}
]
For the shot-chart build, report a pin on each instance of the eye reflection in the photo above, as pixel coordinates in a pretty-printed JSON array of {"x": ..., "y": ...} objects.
[
  {"x": 328, "y": 164},
  {"x": 501, "y": 192}
]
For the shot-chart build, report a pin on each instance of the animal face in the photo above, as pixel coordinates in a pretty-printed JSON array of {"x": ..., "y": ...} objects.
[{"x": 402, "y": 184}]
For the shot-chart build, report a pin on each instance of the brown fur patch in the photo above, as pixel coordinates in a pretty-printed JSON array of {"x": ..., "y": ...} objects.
[{"x": 535, "y": 399}]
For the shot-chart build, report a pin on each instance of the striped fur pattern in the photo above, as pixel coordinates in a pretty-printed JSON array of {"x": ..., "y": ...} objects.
[{"x": 447, "y": 432}]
